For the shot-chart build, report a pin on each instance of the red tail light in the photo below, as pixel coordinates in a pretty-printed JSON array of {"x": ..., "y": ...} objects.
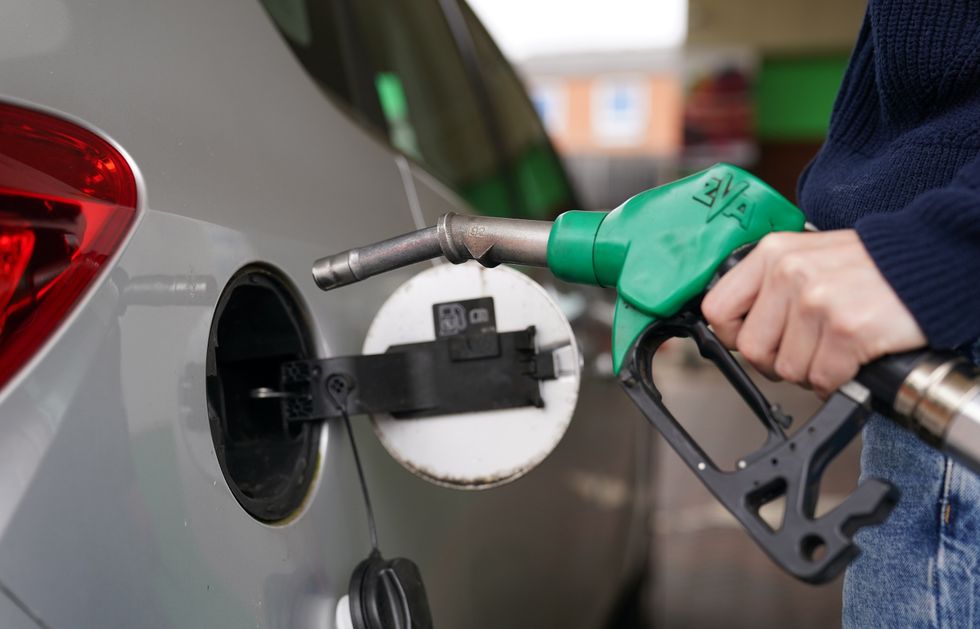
[{"x": 67, "y": 200}]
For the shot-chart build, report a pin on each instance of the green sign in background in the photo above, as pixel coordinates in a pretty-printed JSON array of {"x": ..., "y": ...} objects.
[{"x": 795, "y": 96}]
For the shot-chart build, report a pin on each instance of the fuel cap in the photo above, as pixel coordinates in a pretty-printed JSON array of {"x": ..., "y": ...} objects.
[
  {"x": 388, "y": 594},
  {"x": 478, "y": 450}
]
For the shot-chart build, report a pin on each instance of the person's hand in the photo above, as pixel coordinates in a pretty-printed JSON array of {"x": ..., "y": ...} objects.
[{"x": 810, "y": 308}]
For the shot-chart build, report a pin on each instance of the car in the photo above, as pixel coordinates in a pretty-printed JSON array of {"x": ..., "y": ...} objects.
[{"x": 168, "y": 173}]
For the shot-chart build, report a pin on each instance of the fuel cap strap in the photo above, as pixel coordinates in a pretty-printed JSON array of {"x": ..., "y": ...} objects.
[{"x": 469, "y": 367}]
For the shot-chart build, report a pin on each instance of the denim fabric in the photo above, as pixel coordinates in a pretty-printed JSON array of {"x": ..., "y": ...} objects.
[{"x": 919, "y": 568}]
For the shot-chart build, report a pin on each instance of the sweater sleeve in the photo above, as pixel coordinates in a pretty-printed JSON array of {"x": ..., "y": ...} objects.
[{"x": 929, "y": 251}]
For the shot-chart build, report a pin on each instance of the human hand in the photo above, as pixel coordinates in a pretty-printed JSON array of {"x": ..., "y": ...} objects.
[{"x": 810, "y": 308}]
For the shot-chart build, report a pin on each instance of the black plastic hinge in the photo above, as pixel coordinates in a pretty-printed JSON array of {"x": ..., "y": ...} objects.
[{"x": 469, "y": 367}]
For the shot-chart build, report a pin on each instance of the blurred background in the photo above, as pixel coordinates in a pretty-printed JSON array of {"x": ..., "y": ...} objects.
[
  {"x": 634, "y": 93},
  {"x": 637, "y": 93}
]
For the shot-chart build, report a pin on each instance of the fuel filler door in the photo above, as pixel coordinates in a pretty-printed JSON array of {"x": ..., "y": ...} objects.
[{"x": 470, "y": 377}]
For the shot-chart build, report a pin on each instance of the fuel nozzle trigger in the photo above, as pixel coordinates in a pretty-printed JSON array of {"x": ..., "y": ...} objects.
[{"x": 813, "y": 549}]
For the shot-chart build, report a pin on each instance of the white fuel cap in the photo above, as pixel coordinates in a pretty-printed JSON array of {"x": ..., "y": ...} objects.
[{"x": 488, "y": 448}]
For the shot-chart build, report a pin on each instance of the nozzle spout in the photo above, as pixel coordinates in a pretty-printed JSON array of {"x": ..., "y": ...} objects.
[{"x": 489, "y": 241}]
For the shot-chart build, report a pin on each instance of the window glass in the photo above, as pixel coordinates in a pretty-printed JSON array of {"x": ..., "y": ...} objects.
[
  {"x": 412, "y": 84},
  {"x": 310, "y": 28},
  {"x": 532, "y": 161},
  {"x": 427, "y": 99}
]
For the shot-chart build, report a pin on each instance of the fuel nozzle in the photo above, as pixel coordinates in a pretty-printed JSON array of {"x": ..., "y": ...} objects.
[
  {"x": 660, "y": 250},
  {"x": 458, "y": 238}
]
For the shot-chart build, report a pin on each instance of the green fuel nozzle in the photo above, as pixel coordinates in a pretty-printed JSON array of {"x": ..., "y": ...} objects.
[{"x": 660, "y": 250}]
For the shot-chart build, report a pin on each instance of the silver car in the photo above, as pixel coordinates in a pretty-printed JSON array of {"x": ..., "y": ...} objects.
[{"x": 168, "y": 173}]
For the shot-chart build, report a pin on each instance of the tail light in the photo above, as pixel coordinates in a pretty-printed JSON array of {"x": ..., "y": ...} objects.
[{"x": 67, "y": 200}]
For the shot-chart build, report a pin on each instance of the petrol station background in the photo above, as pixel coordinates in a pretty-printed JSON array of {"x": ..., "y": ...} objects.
[{"x": 636, "y": 94}]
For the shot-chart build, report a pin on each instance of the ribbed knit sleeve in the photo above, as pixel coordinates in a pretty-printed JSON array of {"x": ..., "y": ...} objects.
[
  {"x": 929, "y": 251},
  {"x": 901, "y": 163}
]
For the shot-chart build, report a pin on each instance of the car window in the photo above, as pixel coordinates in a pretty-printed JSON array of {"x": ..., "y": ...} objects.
[
  {"x": 540, "y": 176},
  {"x": 310, "y": 29},
  {"x": 411, "y": 83},
  {"x": 427, "y": 99}
]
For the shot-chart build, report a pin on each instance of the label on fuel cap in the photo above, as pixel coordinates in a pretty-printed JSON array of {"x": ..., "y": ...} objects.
[
  {"x": 487, "y": 448},
  {"x": 464, "y": 317}
]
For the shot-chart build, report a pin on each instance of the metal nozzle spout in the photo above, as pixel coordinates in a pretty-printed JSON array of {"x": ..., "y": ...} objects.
[{"x": 489, "y": 241}]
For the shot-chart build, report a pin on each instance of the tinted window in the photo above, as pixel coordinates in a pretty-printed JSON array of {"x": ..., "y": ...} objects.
[
  {"x": 411, "y": 83},
  {"x": 310, "y": 28},
  {"x": 427, "y": 99}
]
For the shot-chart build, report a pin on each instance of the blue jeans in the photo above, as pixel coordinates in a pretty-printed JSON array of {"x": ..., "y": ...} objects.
[{"x": 920, "y": 568}]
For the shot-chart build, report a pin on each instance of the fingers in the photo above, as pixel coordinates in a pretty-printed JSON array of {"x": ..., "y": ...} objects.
[
  {"x": 810, "y": 308},
  {"x": 760, "y": 334},
  {"x": 748, "y": 307},
  {"x": 726, "y": 305},
  {"x": 834, "y": 363},
  {"x": 798, "y": 345}
]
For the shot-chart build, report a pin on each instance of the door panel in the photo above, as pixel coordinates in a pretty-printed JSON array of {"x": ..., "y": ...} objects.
[{"x": 13, "y": 617}]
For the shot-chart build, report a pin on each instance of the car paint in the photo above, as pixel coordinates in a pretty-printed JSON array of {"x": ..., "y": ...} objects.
[
  {"x": 15, "y": 616},
  {"x": 113, "y": 510}
]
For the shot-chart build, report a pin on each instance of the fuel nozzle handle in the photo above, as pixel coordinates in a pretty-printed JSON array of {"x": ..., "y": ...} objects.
[
  {"x": 934, "y": 394},
  {"x": 458, "y": 238}
]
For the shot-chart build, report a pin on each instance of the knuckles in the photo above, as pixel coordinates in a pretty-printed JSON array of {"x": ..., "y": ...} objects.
[
  {"x": 827, "y": 375},
  {"x": 772, "y": 244},
  {"x": 713, "y": 310},
  {"x": 822, "y": 381},
  {"x": 794, "y": 269},
  {"x": 825, "y": 381},
  {"x": 814, "y": 299},
  {"x": 790, "y": 371},
  {"x": 845, "y": 325},
  {"x": 755, "y": 352}
]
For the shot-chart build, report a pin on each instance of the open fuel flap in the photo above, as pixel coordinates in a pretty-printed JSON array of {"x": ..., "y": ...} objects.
[{"x": 469, "y": 375}]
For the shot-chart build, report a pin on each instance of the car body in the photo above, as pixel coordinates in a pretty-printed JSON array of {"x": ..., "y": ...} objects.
[{"x": 114, "y": 509}]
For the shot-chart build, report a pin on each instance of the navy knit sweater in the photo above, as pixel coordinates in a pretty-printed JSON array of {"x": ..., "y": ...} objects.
[{"x": 901, "y": 163}]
